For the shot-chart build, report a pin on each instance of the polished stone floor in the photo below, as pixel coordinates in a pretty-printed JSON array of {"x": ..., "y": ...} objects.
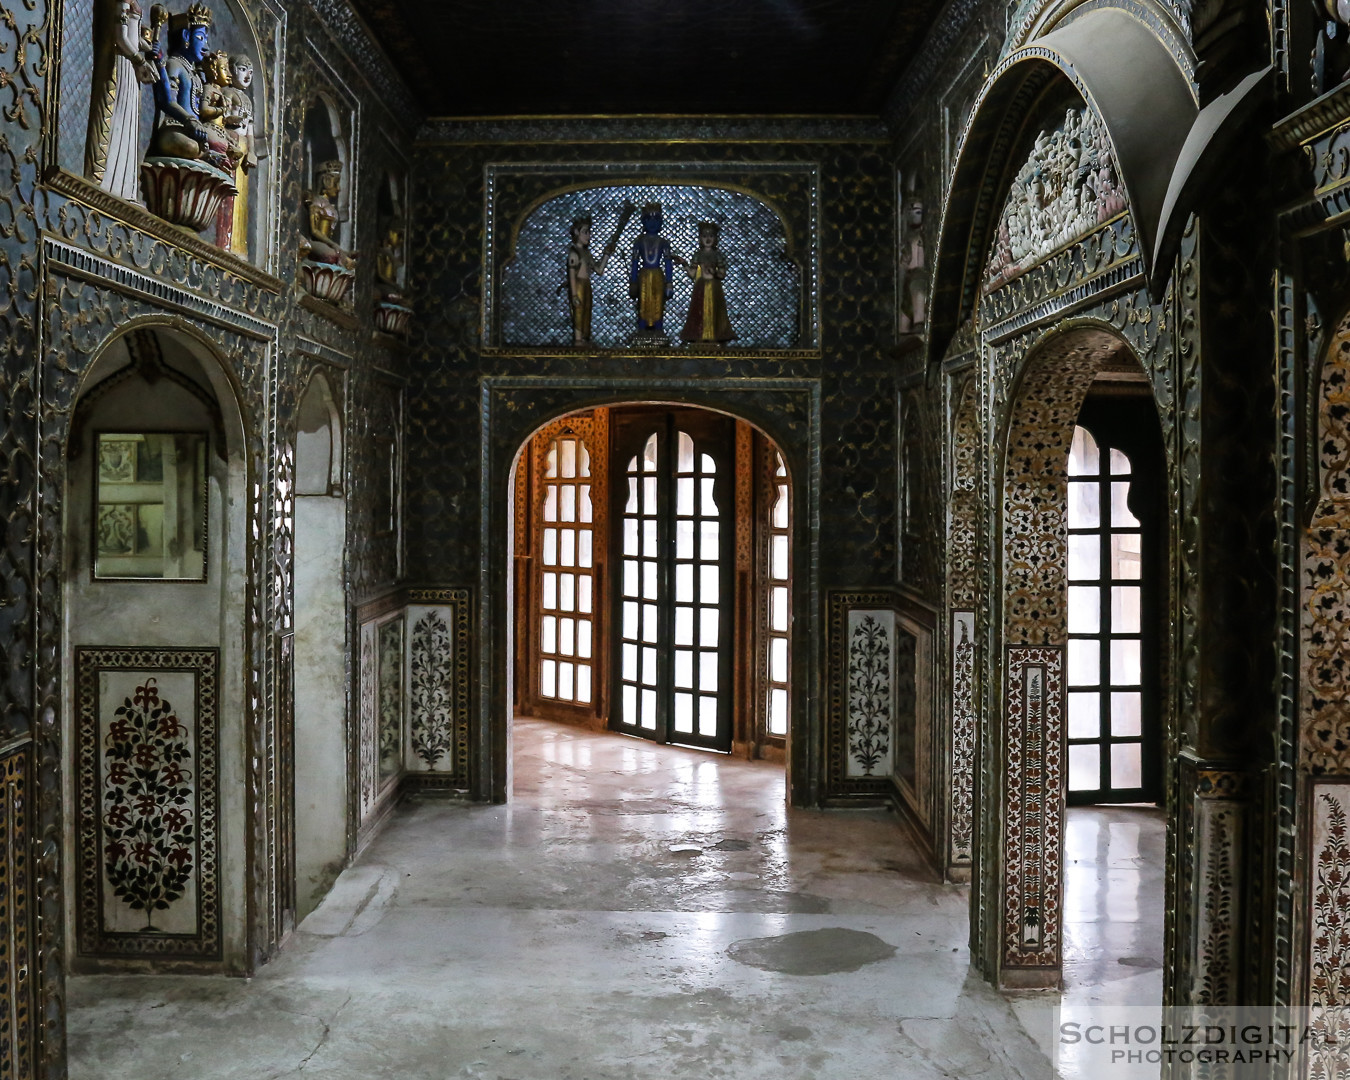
[{"x": 634, "y": 910}]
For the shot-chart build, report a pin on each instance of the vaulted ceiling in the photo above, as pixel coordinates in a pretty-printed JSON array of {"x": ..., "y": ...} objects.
[{"x": 533, "y": 57}]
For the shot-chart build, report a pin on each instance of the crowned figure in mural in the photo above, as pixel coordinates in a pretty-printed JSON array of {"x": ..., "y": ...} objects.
[
  {"x": 326, "y": 269},
  {"x": 913, "y": 266},
  {"x": 707, "y": 319},
  {"x": 649, "y": 276},
  {"x": 187, "y": 173},
  {"x": 126, "y": 59},
  {"x": 582, "y": 264}
]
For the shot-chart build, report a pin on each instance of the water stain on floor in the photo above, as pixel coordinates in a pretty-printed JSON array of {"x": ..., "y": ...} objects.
[{"x": 812, "y": 952}]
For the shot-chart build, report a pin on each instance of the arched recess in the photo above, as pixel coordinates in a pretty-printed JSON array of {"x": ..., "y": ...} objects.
[
  {"x": 1022, "y": 870},
  {"x": 1128, "y": 78},
  {"x": 155, "y": 565},
  {"x": 787, "y": 411},
  {"x": 321, "y": 646}
]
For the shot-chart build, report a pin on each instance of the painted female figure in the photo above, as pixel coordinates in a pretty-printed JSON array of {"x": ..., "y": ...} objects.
[
  {"x": 707, "y": 319},
  {"x": 123, "y": 61}
]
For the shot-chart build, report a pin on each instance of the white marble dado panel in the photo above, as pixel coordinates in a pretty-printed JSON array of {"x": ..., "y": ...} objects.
[
  {"x": 1328, "y": 957},
  {"x": 870, "y": 672},
  {"x": 367, "y": 725},
  {"x": 431, "y": 689},
  {"x": 914, "y": 758},
  {"x": 962, "y": 684}
]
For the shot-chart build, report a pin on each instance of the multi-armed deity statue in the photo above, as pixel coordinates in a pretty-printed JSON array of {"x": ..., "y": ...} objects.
[{"x": 327, "y": 270}]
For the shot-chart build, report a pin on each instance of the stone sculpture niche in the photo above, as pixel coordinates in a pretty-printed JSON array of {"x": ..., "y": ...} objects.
[
  {"x": 327, "y": 266},
  {"x": 393, "y": 315}
]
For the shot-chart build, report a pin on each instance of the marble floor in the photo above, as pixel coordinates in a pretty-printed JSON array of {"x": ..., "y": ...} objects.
[{"x": 634, "y": 910}]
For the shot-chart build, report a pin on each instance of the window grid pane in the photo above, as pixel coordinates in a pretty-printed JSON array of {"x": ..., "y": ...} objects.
[
  {"x": 777, "y": 577},
  {"x": 566, "y": 629}
]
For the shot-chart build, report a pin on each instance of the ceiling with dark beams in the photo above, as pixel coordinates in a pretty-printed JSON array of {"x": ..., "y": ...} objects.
[{"x": 531, "y": 57}]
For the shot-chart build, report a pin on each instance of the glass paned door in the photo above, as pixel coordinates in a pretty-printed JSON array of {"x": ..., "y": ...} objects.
[
  {"x": 776, "y": 585},
  {"x": 673, "y": 509},
  {"x": 566, "y": 568},
  {"x": 1112, "y": 705}
]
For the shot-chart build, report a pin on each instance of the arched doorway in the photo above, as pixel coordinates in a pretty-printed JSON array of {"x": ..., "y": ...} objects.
[
  {"x": 652, "y": 578},
  {"x": 155, "y": 537}
]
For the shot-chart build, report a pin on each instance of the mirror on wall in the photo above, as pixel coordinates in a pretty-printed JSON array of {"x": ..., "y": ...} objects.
[{"x": 150, "y": 506}]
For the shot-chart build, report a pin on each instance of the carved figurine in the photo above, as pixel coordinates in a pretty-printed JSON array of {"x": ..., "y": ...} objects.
[
  {"x": 180, "y": 130},
  {"x": 707, "y": 319},
  {"x": 238, "y": 119},
  {"x": 581, "y": 265},
  {"x": 125, "y": 59},
  {"x": 914, "y": 299},
  {"x": 650, "y": 272},
  {"x": 326, "y": 270},
  {"x": 392, "y": 313}
]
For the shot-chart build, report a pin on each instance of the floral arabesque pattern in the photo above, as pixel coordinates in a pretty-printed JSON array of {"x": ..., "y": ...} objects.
[
  {"x": 148, "y": 829},
  {"x": 431, "y": 689},
  {"x": 1329, "y": 959},
  {"x": 870, "y": 703}
]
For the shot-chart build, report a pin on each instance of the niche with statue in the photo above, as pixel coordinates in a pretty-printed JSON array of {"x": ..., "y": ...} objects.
[
  {"x": 393, "y": 314},
  {"x": 327, "y": 261}
]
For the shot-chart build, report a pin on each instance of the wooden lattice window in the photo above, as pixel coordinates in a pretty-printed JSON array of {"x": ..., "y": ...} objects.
[{"x": 566, "y": 560}]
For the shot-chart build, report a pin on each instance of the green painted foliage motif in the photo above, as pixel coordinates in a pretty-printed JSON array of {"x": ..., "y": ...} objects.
[{"x": 148, "y": 822}]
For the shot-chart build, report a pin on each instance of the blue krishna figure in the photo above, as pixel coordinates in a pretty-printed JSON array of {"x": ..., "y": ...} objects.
[{"x": 651, "y": 271}]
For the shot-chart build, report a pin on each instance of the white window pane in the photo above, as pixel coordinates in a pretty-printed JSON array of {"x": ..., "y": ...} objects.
[
  {"x": 584, "y": 460},
  {"x": 567, "y": 592},
  {"x": 778, "y": 565},
  {"x": 630, "y": 577},
  {"x": 778, "y": 613},
  {"x": 707, "y": 716},
  {"x": 1127, "y": 714},
  {"x": 778, "y": 659},
  {"x": 548, "y": 634},
  {"x": 568, "y": 553},
  {"x": 1085, "y": 660},
  {"x": 551, "y": 460},
  {"x": 1084, "y": 458},
  {"x": 1125, "y": 609},
  {"x": 684, "y": 495},
  {"x": 710, "y": 576},
  {"x": 649, "y": 455},
  {"x": 778, "y": 712},
  {"x": 1085, "y": 718},
  {"x": 630, "y": 703},
  {"x": 684, "y": 668},
  {"x": 649, "y": 710},
  {"x": 584, "y": 594},
  {"x": 550, "y": 547},
  {"x": 584, "y": 683},
  {"x": 1124, "y": 663},
  {"x": 586, "y": 511},
  {"x": 707, "y": 631},
  {"x": 584, "y": 638},
  {"x": 568, "y": 510},
  {"x": 1084, "y": 504},
  {"x": 630, "y": 620},
  {"x": 1127, "y": 766},
  {"x": 1085, "y": 768},
  {"x": 649, "y": 495},
  {"x": 684, "y": 584},
  {"x": 1120, "y": 464},
  {"x": 649, "y": 579},
  {"x": 1121, "y": 518},
  {"x": 649, "y": 538},
  {"x": 711, "y": 533},
  {"x": 1085, "y": 558},
  {"x": 548, "y": 678},
  {"x": 565, "y": 681},
  {"x": 707, "y": 671},
  {"x": 630, "y": 661},
  {"x": 567, "y": 637},
  {"x": 1126, "y": 558},
  {"x": 631, "y": 506},
  {"x": 649, "y": 623},
  {"x": 684, "y": 539},
  {"x": 551, "y": 502},
  {"x": 1085, "y": 609},
  {"x": 584, "y": 547},
  {"x": 684, "y": 452},
  {"x": 684, "y": 714},
  {"x": 648, "y": 666},
  {"x": 709, "y": 508},
  {"x": 567, "y": 458},
  {"x": 779, "y": 516},
  {"x": 684, "y": 626},
  {"x": 630, "y": 536},
  {"x": 550, "y": 597}
]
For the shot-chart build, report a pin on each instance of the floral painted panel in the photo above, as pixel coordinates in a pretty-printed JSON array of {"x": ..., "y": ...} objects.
[
  {"x": 367, "y": 724},
  {"x": 390, "y": 699},
  {"x": 147, "y": 813},
  {"x": 963, "y": 736},
  {"x": 1329, "y": 941},
  {"x": 431, "y": 689},
  {"x": 871, "y": 680}
]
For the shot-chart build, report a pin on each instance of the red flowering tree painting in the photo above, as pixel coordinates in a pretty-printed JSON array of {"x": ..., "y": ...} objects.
[{"x": 148, "y": 828}]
